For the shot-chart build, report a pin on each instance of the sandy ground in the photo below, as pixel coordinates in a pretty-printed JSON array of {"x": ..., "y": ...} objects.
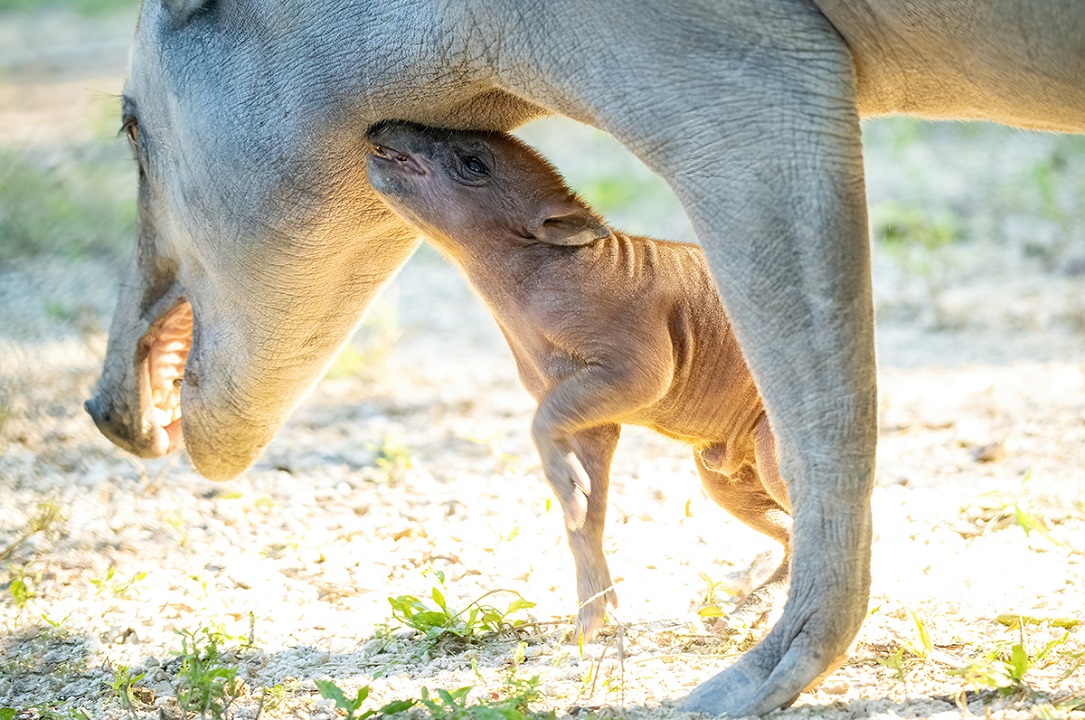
[{"x": 421, "y": 462}]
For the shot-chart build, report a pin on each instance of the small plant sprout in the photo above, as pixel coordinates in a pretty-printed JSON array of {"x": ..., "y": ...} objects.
[
  {"x": 710, "y": 608},
  {"x": 1004, "y": 668},
  {"x": 206, "y": 683},
  {"x": 468, "y": 623},
  {"x": 46, "y": 518},
  {"x": 925, "y": 646},
  {"x": 393, "y": 458},
  {"x": 122, "y": 683},
  {"x": 446, "y": 704},
  {"x": 999, "y": 508},
  {"x": 118, "y": 589},
  {"x": 20, "y": 587},
  {"x": 351, "y": 706},
  {"x": 57, "y": 625},
  {"x": 918, "y": 243},
  {"x": 456, "y": 705},
  {"x": 909, "y": 653}
]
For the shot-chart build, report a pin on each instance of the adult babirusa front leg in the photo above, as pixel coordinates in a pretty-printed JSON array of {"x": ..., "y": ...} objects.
[
  {"x": 747, "y": 108},
  {"x": 761, "y": 142},
  {"x": 779, "y": 206}
]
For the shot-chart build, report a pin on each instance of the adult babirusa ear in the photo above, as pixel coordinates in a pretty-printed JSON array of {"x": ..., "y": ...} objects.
[
  {"x": 182, "y": 10},
  {"x": 577, "y": 226}
]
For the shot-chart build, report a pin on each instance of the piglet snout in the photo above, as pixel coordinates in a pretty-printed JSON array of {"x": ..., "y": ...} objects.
[{"x": 402, "y": 160}]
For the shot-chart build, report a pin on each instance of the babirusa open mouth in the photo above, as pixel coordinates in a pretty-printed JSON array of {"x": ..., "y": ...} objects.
[{"x": 163, "y": 352}]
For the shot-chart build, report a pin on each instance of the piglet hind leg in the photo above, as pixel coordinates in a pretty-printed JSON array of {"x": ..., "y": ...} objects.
[
  {"x": 744, "y": 496},
  {"x": 594, "y": 588}
]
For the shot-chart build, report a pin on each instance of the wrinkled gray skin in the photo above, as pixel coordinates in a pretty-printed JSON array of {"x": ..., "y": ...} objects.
[{"x": 254, "y": 210}]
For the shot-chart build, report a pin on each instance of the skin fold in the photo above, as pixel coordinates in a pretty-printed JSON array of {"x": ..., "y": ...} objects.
[
  {"x": 607, "y": 329},
  {"x": 248, "y": 119}
]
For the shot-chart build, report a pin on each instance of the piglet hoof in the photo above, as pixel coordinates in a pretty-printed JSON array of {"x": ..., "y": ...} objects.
[{"x": 592, "y": 615}]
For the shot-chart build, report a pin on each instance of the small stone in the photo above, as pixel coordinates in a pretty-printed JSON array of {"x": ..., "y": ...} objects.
[
  {"x": 145, "y": 695},
  {"x": 65, "y": 653},
  {"x": 374, "y": 646},
  {"x": 991, "y": 452}
]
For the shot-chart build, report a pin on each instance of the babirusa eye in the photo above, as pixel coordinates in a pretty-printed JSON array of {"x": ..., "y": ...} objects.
[
  {"x": 475, "y": 165},
  {"x": 130, "y": 127}
]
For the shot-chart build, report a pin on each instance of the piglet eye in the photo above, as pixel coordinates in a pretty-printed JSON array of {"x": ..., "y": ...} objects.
[{"x": 475, "y": 165}]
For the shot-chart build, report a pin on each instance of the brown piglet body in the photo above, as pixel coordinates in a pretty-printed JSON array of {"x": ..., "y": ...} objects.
[{"x": 607, "y": 329}]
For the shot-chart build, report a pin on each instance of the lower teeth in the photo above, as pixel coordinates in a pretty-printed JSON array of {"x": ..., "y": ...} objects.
[{"x": 163, "y": 417}]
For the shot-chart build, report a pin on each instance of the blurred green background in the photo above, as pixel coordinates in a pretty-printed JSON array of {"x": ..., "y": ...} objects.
[{"x": 947, "y": 200}]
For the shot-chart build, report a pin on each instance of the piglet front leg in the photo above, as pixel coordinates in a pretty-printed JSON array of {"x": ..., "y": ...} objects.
[
  {"x": 600, "y": 394},
  {"x": 594, "y": 589},
  {"x": 565, "y": 473}
]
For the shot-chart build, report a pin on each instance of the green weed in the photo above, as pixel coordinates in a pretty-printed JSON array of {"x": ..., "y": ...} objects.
[
  {"x": 513, "y": 703},
  {"x": 59, "y": 630},
  {"x": 20, "y": 587},
  {"x": 351, "y": 706},
  {"x": 999, "y": 509},
  {"x": 1005, "y": 667},
  {"x": 122, "y": 683},
  {"x": 43, "y": 711},
  {"x": 709, "y": 607},
  {"x": 206, "y": 682},
  {"x": 393, "y": 458},
  {"x": 918, "y": 243},
  {"x": 455, "y": 704},
  {"x": 909, "y": 653},
  {"x": 118, "y": 589},
  {"x": 1012, "y": 620},
  {"x": 46, "y": 519},
  {"x": 1053, "y": 179},
  {"x": 437, "y": 622},
  {"x": 276, "y": 696}
]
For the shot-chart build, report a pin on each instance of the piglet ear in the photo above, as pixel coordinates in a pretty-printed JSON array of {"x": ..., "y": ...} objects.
[
  {"x": 182, "y": 10},
  {"x": 578, "y": 226}
]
